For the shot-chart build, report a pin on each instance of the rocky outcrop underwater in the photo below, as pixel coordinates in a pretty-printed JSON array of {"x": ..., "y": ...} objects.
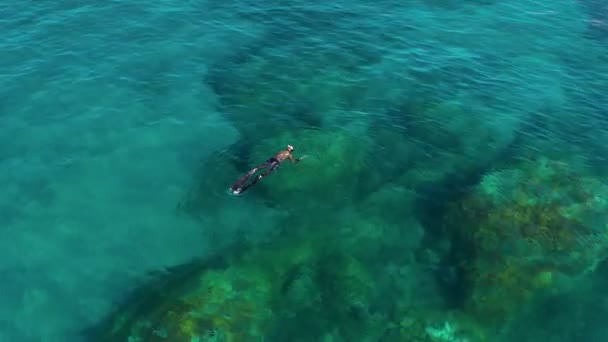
[
  {"x": 451, "y": 188},
  {"x": 523, "y": 233}
]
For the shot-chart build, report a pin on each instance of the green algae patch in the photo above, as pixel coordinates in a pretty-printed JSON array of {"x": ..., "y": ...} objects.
[
  {"x": 219, "y": 307},
  {"x": 334, "y": 172},
  {"x": 423, "y": 143},
  {"x": 297, "y": 92},
  {"x": 427, "y": 325},
  {"x": 318, "y": 280},
  {"x": 248, "y": 295},
  {"x": 533, "y": 231}
]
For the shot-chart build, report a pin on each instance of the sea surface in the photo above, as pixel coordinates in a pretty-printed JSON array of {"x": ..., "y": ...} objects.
[{"x": 113, "y": 113}]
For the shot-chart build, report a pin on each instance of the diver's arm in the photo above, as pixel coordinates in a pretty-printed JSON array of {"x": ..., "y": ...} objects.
[{"x": 302, "y": 157}]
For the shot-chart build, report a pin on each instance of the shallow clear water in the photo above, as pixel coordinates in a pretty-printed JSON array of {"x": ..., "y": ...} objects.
[{"x": 117, "y": 115}]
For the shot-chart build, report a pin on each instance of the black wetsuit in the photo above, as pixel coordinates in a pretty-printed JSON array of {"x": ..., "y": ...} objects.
[{"x": 271, "y": 164}]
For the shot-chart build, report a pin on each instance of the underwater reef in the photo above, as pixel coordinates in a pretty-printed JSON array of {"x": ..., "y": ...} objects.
[
  {"x": 529, "y": 231},
  {"x": 520, "y": 234},
  {"x": 454, "y": 183},
  {"x": 316, "y": 282},
  {"x": 444, "y": 202}
]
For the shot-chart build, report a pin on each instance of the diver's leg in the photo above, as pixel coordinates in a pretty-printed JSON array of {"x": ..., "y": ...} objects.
[
  {"x": 239, "y": 183},
  {"x": 273, "y": 166},
  {"x": 242, "y": 189}
]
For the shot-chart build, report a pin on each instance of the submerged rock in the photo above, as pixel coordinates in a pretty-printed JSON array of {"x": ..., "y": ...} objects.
[
  {"x": 269, "y": 92},
  {"x": 346, "y": 277},
  {"x": 433, "y": 148},
  {"x": 529, "y": 231},
  {"x": 269, "y": 290},
  {"x": 335, "y": 171}
]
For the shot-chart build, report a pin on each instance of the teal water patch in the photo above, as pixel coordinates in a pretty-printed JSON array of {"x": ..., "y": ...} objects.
[
  {"x": 124, "y": 123},
  {"x": 104, "y": 116}
]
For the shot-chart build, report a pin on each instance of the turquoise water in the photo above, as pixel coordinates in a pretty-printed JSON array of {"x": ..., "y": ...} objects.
[{"x": 124, "y": 123}]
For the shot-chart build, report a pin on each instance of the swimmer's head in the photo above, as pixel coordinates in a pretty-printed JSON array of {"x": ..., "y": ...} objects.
[{"x": 289, "y": 148}]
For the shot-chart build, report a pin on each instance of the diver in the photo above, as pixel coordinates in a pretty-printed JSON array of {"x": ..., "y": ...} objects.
[{"x": 271, "y": 164}]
